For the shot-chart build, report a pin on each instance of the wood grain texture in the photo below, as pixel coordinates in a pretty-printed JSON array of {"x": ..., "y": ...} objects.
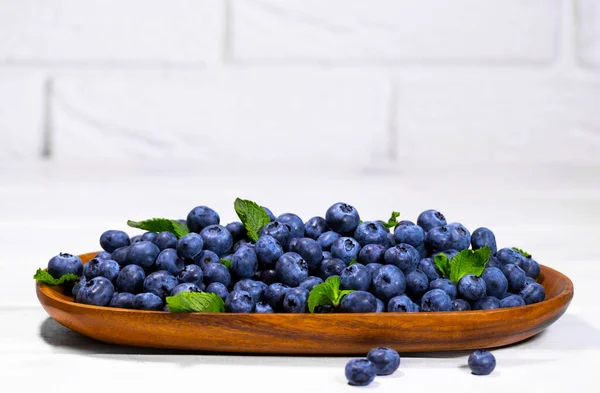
[{"x": 312, "y": 333}]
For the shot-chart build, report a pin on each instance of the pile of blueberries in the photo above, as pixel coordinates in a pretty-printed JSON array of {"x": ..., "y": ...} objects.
[{"x": 394, "y": 270}]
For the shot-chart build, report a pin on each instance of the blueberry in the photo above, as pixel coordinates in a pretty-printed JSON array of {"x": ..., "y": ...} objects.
[
  {"x": 471, "y": 288},
  {"x": 291, "y": 269},
  {"x": 78, "y": 286},
  {"x": 482, "y": 237},
  {"x": 165, "y": 240},
  {"x": 268, "y": 250},
  {"x": 244, "y": 262},
  {"x": 510, "y": 256},
  {"x": 461, "y": 237},
  {"x": 486, "y": 303},
  {"x": 192, "y": 274},
  {"x": 388, "y": 281},
  {"x": 274, "y": 295},
  {"x": 428, "y": 266},
  {"x": 201, "y": 217},
  {"x": 185, "y": 287},
  {"x": 256, "y": 289},
  {"x": 63, "y": 264},
  {"x": 296, "y": 224},
  {"x": 371, "y": 253},
  {"x": 149, "y": 236},
  {"x": 217, "y": 239},
  {"x": 445, "y": 285},
  {"x": 239, "y": 301},
  {"x": 373, "y": 266},
  {"x": 422, "y": 250},
  {"x": 495, "y": 282},
  {"x": 460, "y": 305},
  {"x": 122, "y": 300},
  {"x": 494, "y": 262},
  {"x": 310, "y": 283},
  {"x": 342, "y": 218},
  {"x": 380, "y": 305},
  {"x": 327, "y": 239},
  {"x": 436, "y": 300},
  {"x": 120, "y": 255},
  {"x": 531, "y": 268},
  {"x": 238, "y": 231},
  {"x": 205, "y": 257},
  {"x": 439, "y": 238},
  {"x": 482, "y": 362},
  {"x": 101, "y": 267},
  {"x": 512, "y": 301},
  {"x": 269, "y": 213},
  {"x": 242, "y": 243},
  {"x": 113, "y": 239},
  {"x": 216, "y": 272},
  {"x": 346, "y": 249},
  {"x": 371, "y": 232},
  {"x": 431, "y": 219},
  {"x": 409, "y": 233},
  {"x": 98, "y": 291},
  {"x": 295, "y": 300},
  {"x": 529, "y": 280},
  {"x": 358, "y": 301},
  {"x": 450, "y": 253},
  {"x": 356, "y": 277},
  {"x": 218, "y": 289},
  {"x": 268, "y": 276},
  {"x": 143, "y": 254},
  {"x": 325, "y": 309},
  {"x": 189, "y": 246},
  {"x": 169, "y": 260},
  {"x": 148, "y": 301},
  {"x": 417, "y": 283},
  {"x": 309, "y": 250},
  {"x": 331, "y": 267},
  {"x": 386, "y": 360},
  {"x": 263, "y": 308},
  {"x": 135, "y": 239},
  {"x": 533, "y": 293},
  {"x": 315, "y": 227},
  {"x": 515, "y": 276},
  {"x": 131, "y": 279},
  {"x": 278, "y": 230},
  {"x": 103, "y": 255},
  {"x": 401, "y": 303},
  {"x": 326, "y": 255},
  {"x": 360, "y": 372},
  {"x": 160, "y": 283},
  {"x": 403, "y": 256}
]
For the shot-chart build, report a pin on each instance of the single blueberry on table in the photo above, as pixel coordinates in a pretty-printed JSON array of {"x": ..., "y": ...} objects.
[
  {"x": 371, "y": 232},
  {"x": 408, "y": 233},
  {"x": 386, "y": 360},
  {"x": 360, "y": 372},
  {"x": 189, "y": 246},
  {"x": 268, "y": 276},
  {"x": 471, "y": 288},
  {"x": 371, "y": 253},
  {"x": 101, "y": 267},
  {"x": 185, "y": 287},
  {"x": 327, "y": 239},
  {"x": 512, "y": 301},
  {"x": 131, "y": 279},
  {"x": 291, "y": 269},
  {"x": 295, "y": 223},
  {"x": 315, "y": 227},
  {"x": 461, "y": 237},
  {"x": 445, "y": 285},
  {"x": 192, "y": 274},
  {"x": 268, "y": 250},
  {"x": 486, "y": 303},
  {"x": 120, "y": 255},
  {"x": 269, "y": 213},
  {"x": 256, "y": 289},
  {"x": 205, "y": 257},
  {"x": 482, "y": 362},
  {"x": 239, "y": 301},
  {"x": 113, "y": 239},
  {"x": 436, "y": 300},
  {"x": 515, "y": 276},
  {"x": 244, "y": 262},
  {"x": 309, "y": 250},
  {"x": 103, "y": 255},
  {"x": 356, "y": 277},
  {"x": 482, "y": 237},
  {"x": 274, "y": 295},
  {"x": 98, "y": 292},
  {"x": 428, "y": 266},
  {"x": 64, "y": 263},
  {"x": 431, "y": 219},
  {"x": 331, "y": 267},
  {"x": 218, "y": 289},
  {"x": 279, "y": 231},
  {"x": 169, "y": 260},
  {"x": 149, "y": 236},
  {"x": 402, "y": 303},
  {"x": 495, "y": 281},
  {"x": 373, "y": 266},
  {"x": 342, "y": 218},
  {"x": 460, "y": 305},
  {"x": 403, "y": 256},
  {"x": 439, "y": 238},
  {"x": 388, "y": 281},
  {"x": 238, "y": 231},
  {"x": 201, "y": 217},
  {"x": 217, "y": 239},
  {"x": 533, "y": 293},
  {"x": 295, "y": 300},
  {"x": 310, "y": 283},
  {"x": 148, "y": 301},
  {"x": 165, "y": 240},
  {"x": 263, "y": 308},
  {"x": 358, "y": 301},
  {"x": 216, "y": 272},
  {"x": 143, "y": 254},
  {"x": 122, "y": 300},
  {"x": 346, "y": 249},
  {"x": 160, "y": 283},
  {"x": 417, "y": 283},
  {"x": 380, "y": 305}
]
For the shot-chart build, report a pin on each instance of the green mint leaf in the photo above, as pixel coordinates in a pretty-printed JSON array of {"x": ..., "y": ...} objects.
[
  {"x": 443, "y": 264},
  {"x": 352, "y": 262},
  {"x": 327, "y": 293},
  {"x": 393, "y": 221},
  {"x": 522, "y": 252},
  {"x": 226, "y": 262},
  {"x": 469, "y": 262},
  {"x": 161, "y": 225},
  {"x": 252, "y": 216},
  {"x": 44, "y": 277},
  {"x": 195, "y": 302}
]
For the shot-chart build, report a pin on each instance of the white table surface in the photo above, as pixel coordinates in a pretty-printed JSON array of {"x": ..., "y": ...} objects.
[{"x": 50, "y": 208}]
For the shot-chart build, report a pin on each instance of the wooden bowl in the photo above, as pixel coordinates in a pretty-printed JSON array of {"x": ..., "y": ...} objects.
[{"x": 312, "y": 333}]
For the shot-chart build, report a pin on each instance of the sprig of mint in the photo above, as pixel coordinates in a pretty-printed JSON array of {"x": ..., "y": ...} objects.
[
  {"x": 252, "y": 216},
  {"x": 393, "y": 221},
  {"x": 327, "y": 293},
  {"x": 195, "y": 302},
  {"x": 226, "y": 262},
  {"x": 352, "y": 262},
  {"x": 44, "y": 277},
  {"x": 522, "y": 252},
  {"x": 465, "y": 262},
  {"x": 161, "y": 225}
]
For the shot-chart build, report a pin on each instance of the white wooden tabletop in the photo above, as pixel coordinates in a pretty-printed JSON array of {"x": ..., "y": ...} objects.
[{"x": 50, "y": 208}]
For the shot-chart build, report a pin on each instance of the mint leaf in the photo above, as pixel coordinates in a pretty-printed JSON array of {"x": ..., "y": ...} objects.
[
  {"x": 469, "y": 262},
  {"x": 161, "y": 225},
  {"x": 195, "y": 302},
  {"x": 522, "y": 252},
  {"x": 44, "y": 277},
  {"x": 443, "y": 263},
  {"x": 352, "y": 262},
  {"x": 327, "y": 293},
  {"x": 252, "y": 216},
  {"x": 393, "y": 221},
  {"x": 226, "y": 262}
]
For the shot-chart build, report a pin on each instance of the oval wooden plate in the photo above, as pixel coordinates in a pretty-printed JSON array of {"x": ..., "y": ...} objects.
[{"x": 311, "y": 333}]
